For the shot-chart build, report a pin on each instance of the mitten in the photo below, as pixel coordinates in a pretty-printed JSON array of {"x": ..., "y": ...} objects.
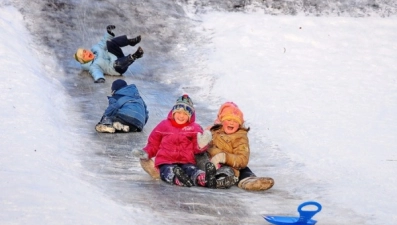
[
  {"x": 218, "y": 158},
  {"x": 204, "y": 139},
  {"x": 140, "y": 153},
  {"x": 110, "y": 28}
]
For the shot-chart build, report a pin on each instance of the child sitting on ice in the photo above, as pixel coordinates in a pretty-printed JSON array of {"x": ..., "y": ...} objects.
[
  {"x": 173, "y": 143},
  {"x": 229, "y": 151}
]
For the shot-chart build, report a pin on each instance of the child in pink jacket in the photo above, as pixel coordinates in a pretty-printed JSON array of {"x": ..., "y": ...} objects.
[{"x": 174, "y": 142}]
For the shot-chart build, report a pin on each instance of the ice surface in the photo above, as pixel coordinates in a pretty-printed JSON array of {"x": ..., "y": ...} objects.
[{"x": 318, "y": 92}]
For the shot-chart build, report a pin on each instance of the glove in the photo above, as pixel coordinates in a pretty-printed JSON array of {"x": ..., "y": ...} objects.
[
  {"x": 140, "y": 153},
  {"x": 218, "y": 158},
  {"x": 204, "y": 139},
  {"x": 110, "y": 28}
]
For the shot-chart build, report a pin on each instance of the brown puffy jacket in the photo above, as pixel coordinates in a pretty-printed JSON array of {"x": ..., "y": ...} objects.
[{"x": 235, "y": 146}]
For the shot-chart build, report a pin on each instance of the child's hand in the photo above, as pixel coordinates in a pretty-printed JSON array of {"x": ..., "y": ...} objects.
[
  {"x": 110, "y": 28},
  {"x": 139, "y": 153},
  {"x": 204, "y": 139}
]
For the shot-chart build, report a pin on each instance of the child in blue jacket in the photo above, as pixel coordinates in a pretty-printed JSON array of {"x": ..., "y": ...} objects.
[
  {"x": 127, "y": 112},
  {"x": 106, "y": 57}
]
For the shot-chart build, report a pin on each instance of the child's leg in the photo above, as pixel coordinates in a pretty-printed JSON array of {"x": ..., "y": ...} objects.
[
  {"x": 173, "y": 174},
  {"x": 167, "y": 173},
  {"x": 114, "y": 45},
  {"x": 196, "y": 175},
  {"x": 134, "y": 123},
  {"x": 121, "y": 64},
  {"x": 181, "y": 178},
  {"x": 246, "y": 172},
  {"x": 210, "y": 172},
  {"x": 249, "y": 181},
  {"x": 225, "y": 177}
]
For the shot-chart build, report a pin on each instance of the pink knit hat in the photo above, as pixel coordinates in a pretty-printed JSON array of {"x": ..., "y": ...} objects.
[{"x": 230, "y": 111}]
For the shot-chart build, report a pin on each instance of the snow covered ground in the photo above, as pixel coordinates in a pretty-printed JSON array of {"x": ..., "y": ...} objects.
[
  {"x": 323, "y": 91},
  {"x": 319, "y": 93}
]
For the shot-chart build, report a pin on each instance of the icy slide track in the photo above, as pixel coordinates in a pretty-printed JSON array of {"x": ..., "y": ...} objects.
[{"x": 173, "y": 55}]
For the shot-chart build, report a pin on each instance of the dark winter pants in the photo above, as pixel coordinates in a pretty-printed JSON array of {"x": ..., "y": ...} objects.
[
  {"x": 130, "y": 121},
  {"x": 202, "y": 159},
  {"x": 167, "y": 174},
  {"x": 246, "y": 172},
  {"x": 114, "y": 46}
]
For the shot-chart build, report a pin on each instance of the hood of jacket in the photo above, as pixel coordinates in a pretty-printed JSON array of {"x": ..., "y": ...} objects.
[{"x": 129, "y": 90}]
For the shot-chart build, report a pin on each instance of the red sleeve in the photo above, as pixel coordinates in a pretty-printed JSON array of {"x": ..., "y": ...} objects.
[{"x": 154, "y": 140}]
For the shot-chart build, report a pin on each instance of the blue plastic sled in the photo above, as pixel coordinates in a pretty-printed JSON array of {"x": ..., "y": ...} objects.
[{"x": 305, "y": 217}]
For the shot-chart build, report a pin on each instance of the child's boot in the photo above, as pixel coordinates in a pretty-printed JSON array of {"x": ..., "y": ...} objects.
[
  {"x": 103, "y": 128},
  {"x": 134, "y": 41},
  {"x": 210, "y": 172},
  {"x": 226, "y": 182},
  {"x": 200, "y": 180},
  {"x": 105, "y": 125},
  {"x": 256, "y": 183},
  {"x": 181, "y": 178},
  {"x": 121, "y": 127},
  {"x": 138, "y": 54}
]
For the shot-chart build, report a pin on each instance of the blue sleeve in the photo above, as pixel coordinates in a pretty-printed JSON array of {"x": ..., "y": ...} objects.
[
  {"x": 112, "y": 108},
  {"x": 102, "y": 43},
  {"x": 96, "y": 71}
]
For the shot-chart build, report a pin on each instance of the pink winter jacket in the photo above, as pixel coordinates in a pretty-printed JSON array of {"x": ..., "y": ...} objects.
[{"x": 170, "y": 144}]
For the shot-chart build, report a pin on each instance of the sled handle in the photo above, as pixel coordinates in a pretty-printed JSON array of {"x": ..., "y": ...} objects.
[{"x": 305, "y": 215}]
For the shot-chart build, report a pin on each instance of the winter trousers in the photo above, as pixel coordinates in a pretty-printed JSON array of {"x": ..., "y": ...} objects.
[
  {"x": 114, "y": 46},
  {"x": 167, "y": 173},
  {"x": 129, "y": 121},
  {"x": 203, "y": 158}
]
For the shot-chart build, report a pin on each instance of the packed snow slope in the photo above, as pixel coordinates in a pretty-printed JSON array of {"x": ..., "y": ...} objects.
[{"x": 316, "y": 81}]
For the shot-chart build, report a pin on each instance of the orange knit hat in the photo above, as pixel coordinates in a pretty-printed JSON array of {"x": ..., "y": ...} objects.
[{"x": 230, "y": 111}]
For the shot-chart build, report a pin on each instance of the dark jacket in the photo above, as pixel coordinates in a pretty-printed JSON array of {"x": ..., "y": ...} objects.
[{"x": 127, "y": 104}]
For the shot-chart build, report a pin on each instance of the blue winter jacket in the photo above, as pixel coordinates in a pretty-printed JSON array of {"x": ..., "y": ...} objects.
[
  {"x": 127, "y": 104},
  {"x": 103, "y": 61}
]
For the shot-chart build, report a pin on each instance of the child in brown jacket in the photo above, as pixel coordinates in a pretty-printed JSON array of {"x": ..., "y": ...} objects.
[{"x": 230, "y": 151}]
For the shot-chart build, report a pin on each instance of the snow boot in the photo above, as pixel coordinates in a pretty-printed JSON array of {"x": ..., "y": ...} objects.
[
  {"x": 148, "y": 167},
  {"x": 226, "y": 182},
  {"x": 138, "y": 54},
  {"x": 103, "y": 128},
  {"x": 121, "y": 127},
  {"x": 134, "y": 41},
  {"x": 256, "y": 183},
  {"x": 210, "y": 171},
  {"x": 182, "y": 177}
]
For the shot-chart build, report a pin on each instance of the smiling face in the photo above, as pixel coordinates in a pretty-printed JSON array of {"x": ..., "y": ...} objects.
[
  {"x": 84, "y": 55},
  {"x": 230, "y": 126},
  {"x": 181, "y": 117}
]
